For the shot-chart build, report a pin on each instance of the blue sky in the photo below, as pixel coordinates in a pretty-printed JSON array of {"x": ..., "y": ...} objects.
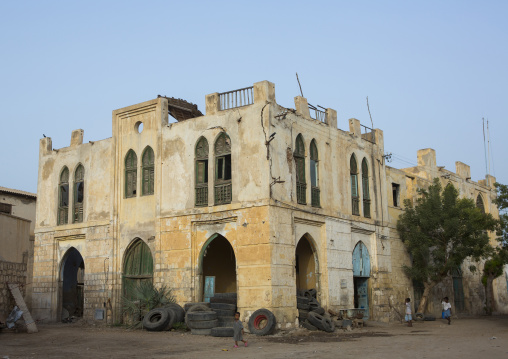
[{"x": 431, "y": 69}]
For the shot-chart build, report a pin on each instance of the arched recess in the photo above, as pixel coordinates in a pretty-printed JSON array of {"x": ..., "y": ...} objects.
[
  {"x": 71, "y": 284},
  {"x": 217, "y": 267},
  {"x": 131, "y": 174},
  {"x": 365, "y": 188},
  {"x": 314, "y": 175},
  {"x": 137, "y": 266},
  {"x": 479, "y": 203},
  {"x": 361, "y": 274},
  {"x": 306, "y": 264},
  {"x": 79, "y": 194},
  {"x": 301, "y": 182},
  {"x": 223, "y": 170},
  {"x": 147, "y": 172},
  {"x": 355, "y": 197},
  {"x": 201, "y": 186},
  {"x": 458, "y": 290},
  {"x": 63, "y": 196}
]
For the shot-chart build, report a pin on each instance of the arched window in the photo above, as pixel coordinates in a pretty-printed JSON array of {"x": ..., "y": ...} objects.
[
  {"x": 147, "y": 172},
  {"x": 353, "y": 168},
  {"x": 131, "y": 174},
  {"x": 223, "y": 170},
  {"x": 63, "y": 197},
  {"x": 202, "y": 172},
  {"x": 301, "y": 185},
  {"x": 79, "y": 192},
  {"x": 314, "y": 175},
  {"x": 479, "y": 203},
  {"x": 365, "y": 189}
]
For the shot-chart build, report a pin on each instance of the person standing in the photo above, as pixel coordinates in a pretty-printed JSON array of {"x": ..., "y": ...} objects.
[
  {"x": 447, "y": 310},
  {"x": 238, "y": 330},
  {"x": 409, "y": 317}
]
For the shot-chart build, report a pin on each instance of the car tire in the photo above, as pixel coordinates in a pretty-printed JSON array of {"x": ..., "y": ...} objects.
[
  {"x": 201, "y": 331},
  {"x": 223, "y": 306},
  {"x": 222, "y": 332},
  {"x": 156, "y": 320},
  {"x": 179, "y": 312},
  {"x": 203, "y": 324},
  {"x": 307, "y": 325},
  {"x": 262, "y": 322}
]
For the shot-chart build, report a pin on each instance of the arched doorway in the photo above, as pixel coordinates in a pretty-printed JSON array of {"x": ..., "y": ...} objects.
[
  {"x": 361, "y": 275},
  {"x": 306, "y": 265},
  {"x": 218, "y": 264},
  {"x": 72, "y": 277},
  {"x": 137, "y": 266},
  {"x": 458, "y": 290}
]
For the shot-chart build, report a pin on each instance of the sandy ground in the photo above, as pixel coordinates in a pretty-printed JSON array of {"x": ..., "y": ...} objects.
[{"x": 465, "y": 338}]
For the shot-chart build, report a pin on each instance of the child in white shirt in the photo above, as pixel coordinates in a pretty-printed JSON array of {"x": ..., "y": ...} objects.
[
  {"x": 409, "y": 317},
  {"x": 447, "y": 309}
]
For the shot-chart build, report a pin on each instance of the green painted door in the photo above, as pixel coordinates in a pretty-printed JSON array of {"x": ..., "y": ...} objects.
[
  {"x": 458, "y": 290},
  {"x": 138, "y": 267}
]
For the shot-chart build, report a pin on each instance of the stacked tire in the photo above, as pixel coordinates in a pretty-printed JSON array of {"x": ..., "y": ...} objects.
[
  {"x": 308, "y": 306},
  {"x": 201, "y": 322},
  {"x": 160, "y": 319},
  {"x": 224, "y": 304}
]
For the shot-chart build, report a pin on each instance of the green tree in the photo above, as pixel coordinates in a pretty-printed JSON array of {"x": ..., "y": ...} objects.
[
  {"x": 440, "y": 231},
  {"x": 493, "y": 267}
]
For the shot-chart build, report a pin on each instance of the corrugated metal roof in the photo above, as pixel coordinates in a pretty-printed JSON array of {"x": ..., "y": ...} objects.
[{"x": 17, "y": 191}]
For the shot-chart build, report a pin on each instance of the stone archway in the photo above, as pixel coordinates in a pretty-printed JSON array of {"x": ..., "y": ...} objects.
[
  {"x": 306, "y": 264},
  {"x": 137, "y": 266},
  {"x": 72, "y": 278},
  {"x": 218, "y": 267}
]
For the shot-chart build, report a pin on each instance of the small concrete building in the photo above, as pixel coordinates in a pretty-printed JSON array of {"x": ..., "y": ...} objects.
[
  {"x": 17, "y": 224},
  {"x": 251, "y": 198}
]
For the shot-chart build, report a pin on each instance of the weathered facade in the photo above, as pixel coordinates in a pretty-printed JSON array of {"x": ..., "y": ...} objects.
[
  {"x": 17, "y": 223},
  {"x": 252, "y": 198}
]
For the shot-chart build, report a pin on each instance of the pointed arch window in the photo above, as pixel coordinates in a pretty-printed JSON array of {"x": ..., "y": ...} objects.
[
  {"x": 365, "y": 188},
  {"x": 202, "y": 172},
  {"x": 131, "y": 174},
  {"x": 148, "y": 172},
  {"x": 479, "y": 203},
  {"x": 301, "y": 185},
  {"x": 314, "y": 175},
  {"x": 79, "y": 194},
  {"x": 355, "y": 198},
  {"x": 223, "y": 170},
  {"x": 63, "y": 197}
]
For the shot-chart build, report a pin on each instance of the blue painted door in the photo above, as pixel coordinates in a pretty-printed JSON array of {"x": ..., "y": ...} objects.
[
  {"x": 209, "y": 288},
  {"x": 361, "y": 261},
  {"x": 362, "y": 295}
]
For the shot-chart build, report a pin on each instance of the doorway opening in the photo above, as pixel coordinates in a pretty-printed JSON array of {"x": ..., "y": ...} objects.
[
  {"x": 137, "y": 267},
  {"x": 218, "y": 267},
  {"x": 305, "y": 265},
  {"x": 361, "y": 275},
  {"x": 458, "y": 290},
  {"x": 72, "y": 276}
]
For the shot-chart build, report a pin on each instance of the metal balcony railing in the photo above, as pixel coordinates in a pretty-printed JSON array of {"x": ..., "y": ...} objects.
[
  {"x": 236, "y": 98},
  {"x": 202, "y": 196},
  {"x": 317, "y": 114}
]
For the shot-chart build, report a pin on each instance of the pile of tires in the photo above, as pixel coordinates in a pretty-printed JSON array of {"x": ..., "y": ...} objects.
[
  {"x": 160, "y": 319},
  {"x": 201, "y": 322},
  {"x": 319, "y": 322},
  {"x": 306, "y": 303},
  {"x": 224, "y": 304}
]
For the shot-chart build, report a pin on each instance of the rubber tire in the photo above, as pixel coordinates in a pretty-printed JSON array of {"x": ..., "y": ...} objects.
[
  {"x": 224, "y": 312},
  {"x": 223, "y": 300},
  {"x": 303, "y": 314},
  {"x": 222, "y": 332},
  {"x": 318, "y": 310},
  {"x": 172, "y": 318},
  {"x": 201, "y": 331},
  {"x": 226, "y": 324},
  {"x": 179, "y": 312},
  {"x": 223, "y": 306},
  {"x": 429, "y": 318},
  {"x": 201, "y": 316},
  {"x": 321, "y": 322},
  {"x": 186, "y": 306},
  {"x": 225, "y": 295},
  {"x": 156, "y": 320},
  {"x": 313, "y": 293},
  {"x": 202, "y": 324},
  {"x": 302, "y": 300},
  {"x": 307, "y": 325},
  {"x": 259, "y": 315}
]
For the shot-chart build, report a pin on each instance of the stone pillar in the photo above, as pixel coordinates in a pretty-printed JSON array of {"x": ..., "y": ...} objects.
[
  {"x": 331, "y": 118},
  {"x": 302, "y": 106},
  {"x": 264, "y": 91},
  {"x": 462, "y": 170},
  {"x": 427, "y": 158},
  {"x": 354, "y": 127},
  {"x": 45, "y": 145},
  {"x": 212, "y": 104},
  {"x": 77, "y": 137}
]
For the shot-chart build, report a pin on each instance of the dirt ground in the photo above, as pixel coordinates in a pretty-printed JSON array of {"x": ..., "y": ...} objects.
[{"x": 465, "y": 338}]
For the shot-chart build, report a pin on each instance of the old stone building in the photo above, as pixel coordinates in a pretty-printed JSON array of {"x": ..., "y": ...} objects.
[
  {"x": 252, "y": 198},
  {"x": 17, "y": 224}
]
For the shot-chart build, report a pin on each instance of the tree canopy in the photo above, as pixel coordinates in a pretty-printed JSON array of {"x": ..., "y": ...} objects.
[{"x": 440, "y": 231}]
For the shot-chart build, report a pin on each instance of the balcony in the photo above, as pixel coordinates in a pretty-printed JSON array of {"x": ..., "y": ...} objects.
[{"x": 223, "y": 193}]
